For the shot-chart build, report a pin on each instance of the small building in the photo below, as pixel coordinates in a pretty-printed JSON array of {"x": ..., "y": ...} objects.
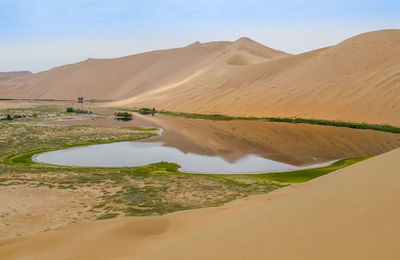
[{"x": 80, "y": 99}]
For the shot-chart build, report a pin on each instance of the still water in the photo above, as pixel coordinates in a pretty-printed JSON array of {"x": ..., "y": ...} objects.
[{"x": 128, "y": 154}]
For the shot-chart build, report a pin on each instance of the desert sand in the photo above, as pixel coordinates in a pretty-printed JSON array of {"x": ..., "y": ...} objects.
[
  {"x": 15, "y": 104},
  {"x": 350, "y": 214},
  {"x": 243, "y": 78},
  {"x": 30, "y": 210}
]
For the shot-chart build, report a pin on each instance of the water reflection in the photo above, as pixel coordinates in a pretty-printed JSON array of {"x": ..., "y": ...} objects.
[{"x": 124, "y": 154}]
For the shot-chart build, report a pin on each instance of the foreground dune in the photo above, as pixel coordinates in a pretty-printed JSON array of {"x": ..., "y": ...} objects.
[{"x": 350, "y": 214}]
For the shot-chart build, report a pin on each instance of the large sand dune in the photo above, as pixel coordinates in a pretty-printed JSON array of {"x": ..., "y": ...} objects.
[
  {"x": 356, "y": 80},
  {"x": 350, "y": 214},
  {"x": 132, "y": 75}
]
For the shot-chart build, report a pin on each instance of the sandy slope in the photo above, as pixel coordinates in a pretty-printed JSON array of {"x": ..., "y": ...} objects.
[
  {"x": 30, "y": 210},
  {"x": 349, "y": 214},
  {"x": 125, "y": 237},
  {"x": 356, "y": 80},
  {"x": 132, "y": 75},
  {"x": 13, "y": 74}
]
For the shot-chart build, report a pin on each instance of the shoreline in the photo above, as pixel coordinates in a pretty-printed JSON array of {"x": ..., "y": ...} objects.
[
  {"x": 353, "y": 125},
  {"x": 268, "y": 224}
]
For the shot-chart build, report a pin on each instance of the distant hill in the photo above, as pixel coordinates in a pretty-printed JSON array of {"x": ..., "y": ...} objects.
[
  {"x": 356, "y": 80},
  {"x": 11, "y": 74},
  {"x": 125, "y": 77}
]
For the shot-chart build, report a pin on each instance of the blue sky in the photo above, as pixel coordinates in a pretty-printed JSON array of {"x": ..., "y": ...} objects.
[{"x": 39, "y": 34}]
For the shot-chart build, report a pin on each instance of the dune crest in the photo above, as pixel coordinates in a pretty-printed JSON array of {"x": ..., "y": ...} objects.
[{"x": 241, "y": 78}]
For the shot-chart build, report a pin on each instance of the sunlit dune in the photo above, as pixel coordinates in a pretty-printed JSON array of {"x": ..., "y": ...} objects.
[{"x": 239, "y": 78}]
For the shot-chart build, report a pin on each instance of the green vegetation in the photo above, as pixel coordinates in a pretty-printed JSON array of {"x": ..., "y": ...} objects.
[
  {"x": 291, "y": 177},
  {"x": 147, "y": 111},
  {"x": 12, "y": 117},
  {"x": 34, "y": 99},
  {"x": 134, "y": 191},
  {"x": 8, "y": 117},
  {"x": 108, "y": 215},
  {"x": 377, "y": 127},
  {"x": 98, "y": 100},
  {"x": 125, "y": 116},
  {"x": 148, "y": 190},
  {"x": 78, "y": 111}
]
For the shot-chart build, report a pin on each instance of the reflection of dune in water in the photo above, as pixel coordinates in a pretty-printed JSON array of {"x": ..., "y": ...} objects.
[{"x": 296, "y": 144}]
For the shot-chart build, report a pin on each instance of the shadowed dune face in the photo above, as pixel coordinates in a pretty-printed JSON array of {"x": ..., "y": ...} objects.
[
  {"x": 297, "y": 144},
  {"x": 356, "y": 80},
  {"x": 132, "y": 75}
]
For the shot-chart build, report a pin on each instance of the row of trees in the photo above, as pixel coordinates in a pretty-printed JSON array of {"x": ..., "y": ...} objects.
[
  {"x": 78, "y": 111},
  {"x": 147, "y": 111}
]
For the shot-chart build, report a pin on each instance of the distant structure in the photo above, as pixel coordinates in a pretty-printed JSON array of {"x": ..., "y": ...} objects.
[{"x": 80, "y": 99}]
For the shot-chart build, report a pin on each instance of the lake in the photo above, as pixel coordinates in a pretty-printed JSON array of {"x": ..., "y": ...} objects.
[
  {"x": 128, "y": 154},
  {"x": 226, "y": 146}
]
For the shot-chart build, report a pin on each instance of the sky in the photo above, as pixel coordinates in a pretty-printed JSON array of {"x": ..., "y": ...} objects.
[{"x": 37, "y": 35}]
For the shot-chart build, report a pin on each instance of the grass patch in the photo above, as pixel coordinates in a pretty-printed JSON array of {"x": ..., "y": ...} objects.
[
  {"x": 153, "y": 189},
  {"x": 292, "y": 177},
  {"x": 377, "y": 127},
  {"x": 108, "y": 216}
]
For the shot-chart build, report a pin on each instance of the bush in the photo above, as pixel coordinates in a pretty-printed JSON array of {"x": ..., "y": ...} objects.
[
  {"x": 78, "y": 111},
  {"x": 123, "y": 116},
  {"x": 147, "y": 111}
]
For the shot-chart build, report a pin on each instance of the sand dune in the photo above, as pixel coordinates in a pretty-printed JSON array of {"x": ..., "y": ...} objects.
[
  {"x": 132, "y": 75},
  {"x": 350, "y": 214},
  {"x": 340, "y": 82},
  {"x": 12, "y": 74},
  {"x": 125, "y": 237}
]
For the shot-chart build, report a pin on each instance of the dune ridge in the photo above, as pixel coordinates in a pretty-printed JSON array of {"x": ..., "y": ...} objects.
[{"x": 241, "y": 78}]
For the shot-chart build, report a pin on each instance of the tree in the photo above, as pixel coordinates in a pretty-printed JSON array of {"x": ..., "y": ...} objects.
[
  {"x": 147, "y": 111},
  {"x": 124, "y": 116}
]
